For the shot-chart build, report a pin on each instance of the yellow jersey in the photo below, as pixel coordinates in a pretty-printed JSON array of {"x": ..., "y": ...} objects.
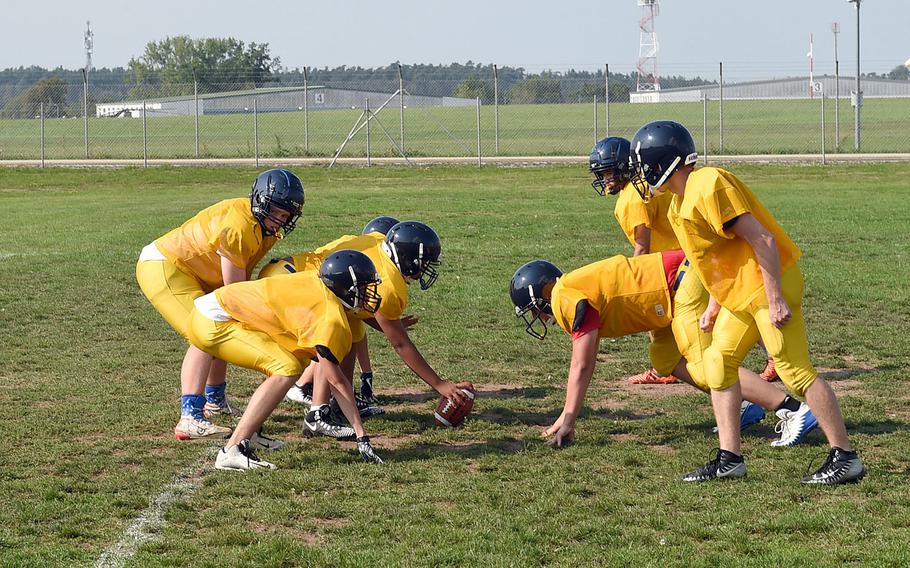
[
  {"x": 630, "y": 294},
  {"x": 725, "y": 263},
  {"x": 631, "y": 211},
  {"x": 393, "y": 289},
  {"x": 226, "y": 229},
  {"x": 296, "y": 310}
]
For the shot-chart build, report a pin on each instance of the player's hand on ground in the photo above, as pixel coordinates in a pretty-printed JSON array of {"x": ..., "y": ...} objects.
[
  {"x": 561, "y": 433},
  {"x": 409, "y": 321},
  {"x": 453, "y": 392},
  {"x": 779, "y": 312}
]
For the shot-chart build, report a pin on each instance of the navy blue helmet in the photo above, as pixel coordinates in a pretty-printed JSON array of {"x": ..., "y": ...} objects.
[
  {"x": 352, "y": 276},
  {"x": 609, "y": 162},
  {"x": 415, "y": 249},
  {"x": 380, "y": 224},
  {"x": 277, "y": 189},
  {"x": 531, "y": 290},
  {"x": 659, "y": 148}
]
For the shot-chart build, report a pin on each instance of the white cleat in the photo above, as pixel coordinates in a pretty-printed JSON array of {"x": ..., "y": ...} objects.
[
  {"x": 241, "y": 457},
  {"x": 190, "y": 428},
  {"x": 794, "y": 425}
]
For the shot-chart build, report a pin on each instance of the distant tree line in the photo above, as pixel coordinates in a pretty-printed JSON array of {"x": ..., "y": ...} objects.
[{"x": 170, "y": 66}]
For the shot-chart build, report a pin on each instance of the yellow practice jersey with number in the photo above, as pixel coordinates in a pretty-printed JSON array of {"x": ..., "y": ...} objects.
[
  {"x": 297, "y": 310},
  {"x": 630, "y": 294},
  {"x": 631, "y": 211},
  {"x": 725, "y": 263},
  {"x": 226, "y": 229},
  {"x": 393, "y": 289}
]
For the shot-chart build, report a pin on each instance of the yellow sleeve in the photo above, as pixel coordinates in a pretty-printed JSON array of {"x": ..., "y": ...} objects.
[
  {"x": 564, "y": 304},
  {"x": 722, "y": 203},
  {"x": 395, "y": 301},
  {"x": 237, "y": 245},
  {"x": 631, "y": 211},
  {"x": 334, "y": 334},
  {"x": 339, "y": 243}
]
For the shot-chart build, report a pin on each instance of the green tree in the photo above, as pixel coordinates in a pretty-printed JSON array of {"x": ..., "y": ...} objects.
[
  {"x": 474, "y": 88},
  {"x": 219, "y": 63},
  {"x": 899, "y": 73},
  {"x": 51, "y": 92},
  {"x": 536, "y": 90}
]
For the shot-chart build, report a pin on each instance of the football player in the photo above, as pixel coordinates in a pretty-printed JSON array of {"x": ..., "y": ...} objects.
[
  {"x": 644, "y": 224},
  {"x": 275, "y": 324},
  {"x": 220, "y": 245},
  {"x": 408, "y": 253},
  {"x": 304, "y": 394},
  {"x": 620, "y": 296},
  {"x": 748, "y": 263}
]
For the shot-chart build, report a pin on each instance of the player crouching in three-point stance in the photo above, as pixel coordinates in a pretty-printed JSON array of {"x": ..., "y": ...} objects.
[
  {"x": 275, "y": 326},
  {"x": 409, "y": 252},
  {"x": 621, "y": 296},
  {"x": 220, "y": 245},
  {"x": 749, "y": 265}
]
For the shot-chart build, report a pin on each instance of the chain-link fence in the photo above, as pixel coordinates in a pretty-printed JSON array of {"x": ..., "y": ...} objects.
[{"x": 544, "y": 115}]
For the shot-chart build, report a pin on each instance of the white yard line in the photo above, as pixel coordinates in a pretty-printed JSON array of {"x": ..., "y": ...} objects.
[{"x": 147, "y": 526}]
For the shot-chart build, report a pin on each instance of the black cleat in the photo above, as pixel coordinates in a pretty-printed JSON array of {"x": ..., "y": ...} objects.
[
  {"x": 841, "y": 466},
  {"x": 726, "y": 465}
]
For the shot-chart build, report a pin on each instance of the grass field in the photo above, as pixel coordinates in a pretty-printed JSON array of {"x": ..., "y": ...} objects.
[
  {"x": 89, "y": 389},
  {"x": 750, "y": 127}
]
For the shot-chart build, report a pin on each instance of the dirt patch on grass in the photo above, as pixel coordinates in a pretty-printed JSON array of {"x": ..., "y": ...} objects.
[
  {"x": 333, "y": 522},
  {"x": 652, "y": 391},
  {"x": 844, "y": 386},
  {"x": 662, "y": 449}
]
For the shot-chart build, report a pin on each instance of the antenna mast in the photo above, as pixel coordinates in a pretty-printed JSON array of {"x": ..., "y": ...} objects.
[
  {"x": 89, "y": 39},
  {"x": 648, "y": 46}
]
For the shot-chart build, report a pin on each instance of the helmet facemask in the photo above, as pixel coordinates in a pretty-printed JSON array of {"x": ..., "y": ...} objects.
[
  {"x": 421, "y": 268},
  {"x": 533, "y": 315},
  {"x": 602, "y": 176}
]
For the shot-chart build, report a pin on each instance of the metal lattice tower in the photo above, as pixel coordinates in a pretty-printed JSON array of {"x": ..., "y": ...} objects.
[
  {"x": 89, "y": 46},
  {"x": 648, "y": 46}
]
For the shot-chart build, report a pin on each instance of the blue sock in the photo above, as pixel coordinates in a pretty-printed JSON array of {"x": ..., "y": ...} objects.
[
  {"x": 215, "y": 394},
  {"x": 191, "y": 405}
]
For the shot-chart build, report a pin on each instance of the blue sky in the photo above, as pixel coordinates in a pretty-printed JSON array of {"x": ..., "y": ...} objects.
[{"x": 754, "y": 39}]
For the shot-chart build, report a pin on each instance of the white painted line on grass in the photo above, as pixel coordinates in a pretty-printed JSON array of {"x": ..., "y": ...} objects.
[{"x": 148, "y": 525}]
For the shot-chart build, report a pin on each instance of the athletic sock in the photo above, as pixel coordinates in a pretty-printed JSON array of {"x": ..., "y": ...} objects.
[
  {"x": 191, "y": 405},
  {"x": 215, "y": 393},
  {"x": 789, "y": 403}
]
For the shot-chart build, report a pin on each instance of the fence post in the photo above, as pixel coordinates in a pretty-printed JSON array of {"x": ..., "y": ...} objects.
[
  {"x": 836, "y": 104},
  {"x": 607, "y": 96},
  {"x": 256, "y": 128},
  {"x": 42, "y": 133},
  {"x": 85, "y": 110},
  {"x": 195, "y": 111},
  {"x": 145, "y": 138},
  {"x": 401, "y": 107},
  {"x": 595, "y": 119},
  {"x": 496, "y": 105},
  {"x": 479, "y": 155},
  {"x": 721, "y": 125},
  {"x": 306, "y": 113},
  {"x": 704, "y": 125},
  {"x": 366, "y": 113},
  {"x": 824, "y": 157}
]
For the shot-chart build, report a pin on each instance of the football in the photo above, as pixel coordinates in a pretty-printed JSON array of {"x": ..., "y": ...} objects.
[{"x": 449, "y": 414}]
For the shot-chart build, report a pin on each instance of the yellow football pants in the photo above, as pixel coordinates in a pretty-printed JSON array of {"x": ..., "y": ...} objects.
[
  {"x": 170, "y": 290},
  {"x": 240, "y": 345},
  {"x": 736, "y": 332},
  {"x": 689, "y": 304}
]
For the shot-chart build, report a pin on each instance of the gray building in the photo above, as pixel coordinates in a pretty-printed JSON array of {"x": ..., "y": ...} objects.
[
  {"x": 275, "y": 99},
  {"x": 791, "y": 88}
]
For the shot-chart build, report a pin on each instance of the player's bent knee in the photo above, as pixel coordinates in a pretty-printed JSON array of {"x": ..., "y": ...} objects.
[
  {"x": 800, "y": 385},
  {"x": 720, "y": 372}
]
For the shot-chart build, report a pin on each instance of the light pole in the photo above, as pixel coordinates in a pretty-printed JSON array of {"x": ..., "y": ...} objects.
[{"x": 858, "y": 96}]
